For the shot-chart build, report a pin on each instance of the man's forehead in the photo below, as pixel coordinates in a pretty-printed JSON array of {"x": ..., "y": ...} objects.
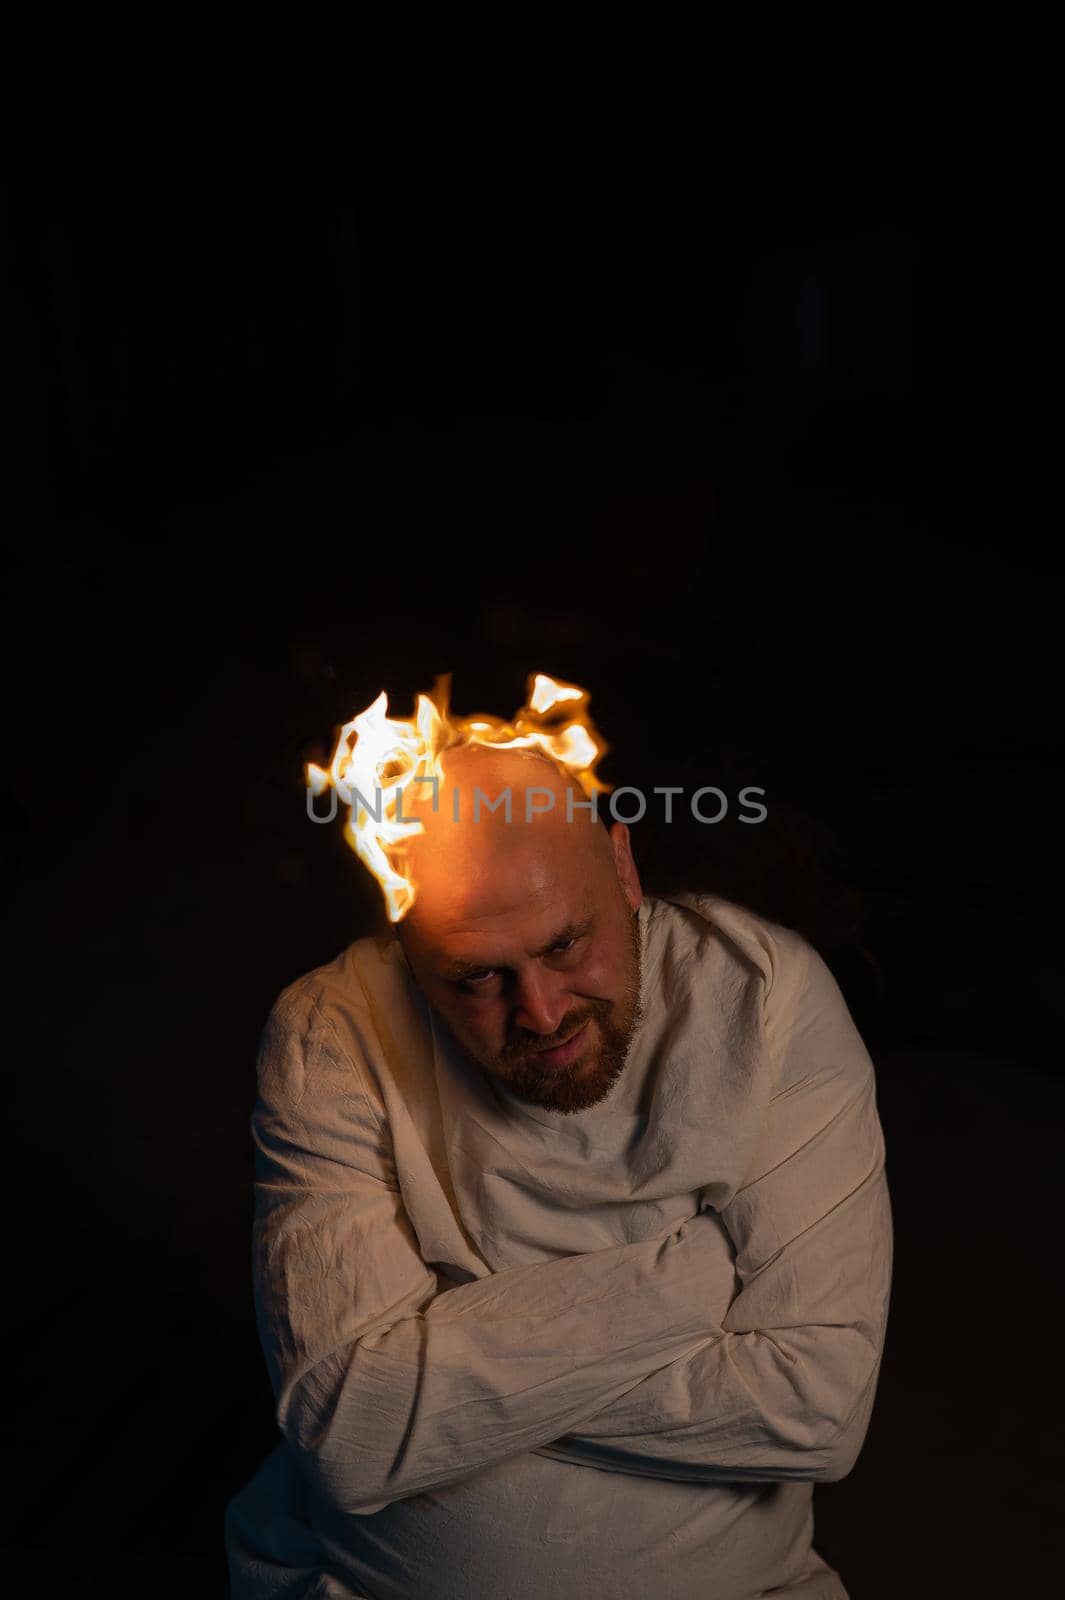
[
  {"x": 498, "y": 923},
  {"x": 481, "y": 849},
  {"x": 487, "y": 880}
]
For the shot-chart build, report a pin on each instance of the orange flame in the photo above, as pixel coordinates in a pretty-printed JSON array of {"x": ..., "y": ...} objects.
[{"x": 378, "y": 757}]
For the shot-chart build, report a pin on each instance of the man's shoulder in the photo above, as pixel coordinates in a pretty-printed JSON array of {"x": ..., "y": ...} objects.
[
  {"x": 336, "y": 998},
  {"x": 323, "y": 1026},
  {"x": 773, "y": 953},
  {"x": 799, "y": 990}
]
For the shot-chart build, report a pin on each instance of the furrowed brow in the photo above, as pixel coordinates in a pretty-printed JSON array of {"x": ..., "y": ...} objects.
[
  {"x": 455, "y": 971},
  {"x": 573, "y": 930}
]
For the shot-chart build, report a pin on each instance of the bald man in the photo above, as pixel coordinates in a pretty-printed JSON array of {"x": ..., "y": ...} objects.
[{"x": 572, "y": 1245}]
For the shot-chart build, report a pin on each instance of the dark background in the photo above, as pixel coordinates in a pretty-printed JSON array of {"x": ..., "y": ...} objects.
[{"x": 749, "y": 467}]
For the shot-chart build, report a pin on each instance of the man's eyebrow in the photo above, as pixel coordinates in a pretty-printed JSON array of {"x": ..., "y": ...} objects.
[
  {"x": 455, "y": 971},
  {"x": 572, "y": 930},
  {"x": 462, "y": 969}
]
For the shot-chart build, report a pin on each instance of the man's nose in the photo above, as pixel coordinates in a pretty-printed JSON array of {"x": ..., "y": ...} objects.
[{"x": 540, "y": 1003}]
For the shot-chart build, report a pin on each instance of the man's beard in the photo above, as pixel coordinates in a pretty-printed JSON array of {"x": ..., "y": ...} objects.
[{"x": 580, "y": 1084}]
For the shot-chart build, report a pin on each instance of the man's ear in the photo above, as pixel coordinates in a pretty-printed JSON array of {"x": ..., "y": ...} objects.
[{"x": 628, "y": 877}]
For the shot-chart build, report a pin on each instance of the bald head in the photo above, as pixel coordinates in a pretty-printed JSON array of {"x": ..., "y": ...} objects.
[{"x": 498, "y": 813}]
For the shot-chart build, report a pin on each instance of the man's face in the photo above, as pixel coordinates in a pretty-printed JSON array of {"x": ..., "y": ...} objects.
[{"x": 524, "y": 939}]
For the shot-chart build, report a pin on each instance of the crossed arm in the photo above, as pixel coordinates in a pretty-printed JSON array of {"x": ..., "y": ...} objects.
[{"x": 389, "y": 1383}]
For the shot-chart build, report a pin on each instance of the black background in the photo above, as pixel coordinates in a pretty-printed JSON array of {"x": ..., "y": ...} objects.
[{"x": 747, "y": 462}]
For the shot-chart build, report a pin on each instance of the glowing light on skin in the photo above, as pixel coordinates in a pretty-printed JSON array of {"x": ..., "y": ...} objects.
[{"x": 378, "y": 758}]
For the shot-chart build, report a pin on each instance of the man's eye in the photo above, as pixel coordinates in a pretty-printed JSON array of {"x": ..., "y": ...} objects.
[
  {"x": 566, "y": 944},
  {"x": 474, "y": 980}
]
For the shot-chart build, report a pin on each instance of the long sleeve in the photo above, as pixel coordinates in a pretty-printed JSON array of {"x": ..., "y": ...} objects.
[
  {"x": 388, "y": 1383},
  {"x": 785, "y": 1387}
]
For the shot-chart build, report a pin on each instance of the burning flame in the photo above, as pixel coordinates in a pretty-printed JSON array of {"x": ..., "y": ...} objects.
[{"x": 378, "y": 757}]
